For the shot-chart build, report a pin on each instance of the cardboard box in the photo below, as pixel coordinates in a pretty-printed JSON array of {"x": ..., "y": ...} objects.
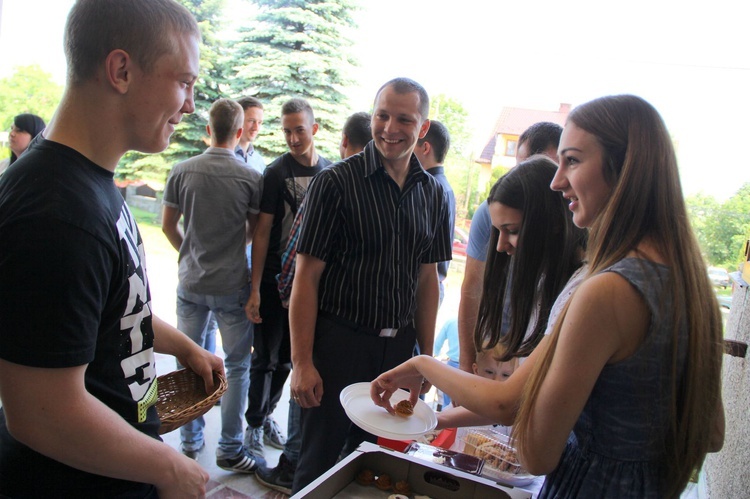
[{"x": 425, "y": 478}]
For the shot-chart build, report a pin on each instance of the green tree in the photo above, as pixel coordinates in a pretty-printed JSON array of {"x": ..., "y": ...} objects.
[
  {"x": 29, "y": 89},
  {"x": 462, "y": 175},
  {"x": 297, "y": 48},
  {"x": 721, "y": 228},
  {"x": 461, "y": 170},
  {"x": 702, "y": 210},
  {"x": 189, "y": 138},
  {"x": 734, "y": 227},
  {"x": 451, "y": 113}
]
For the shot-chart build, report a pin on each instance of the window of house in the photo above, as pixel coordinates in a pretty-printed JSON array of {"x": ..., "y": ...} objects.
[{"x": 510, "y": 147}]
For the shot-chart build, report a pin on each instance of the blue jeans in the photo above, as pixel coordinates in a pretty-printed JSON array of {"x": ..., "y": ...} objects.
[
  {"x": 293, "y": 432},
  {"x": 210, "y": 342},
  {"x": 236, "y": 331}
]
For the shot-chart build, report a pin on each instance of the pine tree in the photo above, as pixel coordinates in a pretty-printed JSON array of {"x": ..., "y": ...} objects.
[{"x": 297, "y": 48}]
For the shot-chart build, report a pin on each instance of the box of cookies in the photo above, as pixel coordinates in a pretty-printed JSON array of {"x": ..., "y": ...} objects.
[{"x": 380, "y": 473}]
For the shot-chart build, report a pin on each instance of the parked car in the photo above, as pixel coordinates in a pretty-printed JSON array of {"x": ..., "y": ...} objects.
[
  {"x": 725, "y": 301},
  {"x": 460, "y": 241},
  {"x": 718, "y": 277}
]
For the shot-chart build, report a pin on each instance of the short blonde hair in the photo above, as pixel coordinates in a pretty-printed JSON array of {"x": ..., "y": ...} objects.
[
  {"x": 225, "y": 117},
  {"x": 142, "y": 28}
]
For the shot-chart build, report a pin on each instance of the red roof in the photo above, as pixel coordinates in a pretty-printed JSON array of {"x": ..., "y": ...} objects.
[
  {"x": 514, "y": 120},
  {"x": 122, "y": 183}
]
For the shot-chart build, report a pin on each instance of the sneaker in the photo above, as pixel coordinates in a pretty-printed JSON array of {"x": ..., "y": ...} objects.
[
  {"x": 279, "y": 478},
  {"x": 241, "y": 463},
  {"x": 254, "y": 441},
  {"x": 272, "y": 434},
  {"x": 191, "y": 453}
]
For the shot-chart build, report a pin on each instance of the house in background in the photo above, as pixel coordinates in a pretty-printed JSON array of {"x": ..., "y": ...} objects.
[{"x": 500, "y": 149}]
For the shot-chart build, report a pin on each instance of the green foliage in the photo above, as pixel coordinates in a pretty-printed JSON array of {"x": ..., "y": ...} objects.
[
  {"x": 461, "y": 170},
  {"x": 189, "y": 139},
  {"x": 151, "y": 168},
  {"x": 721, "y": 228},
  {"x": 28, "y": 90},
  {"x": 451, "y": 113},
  {"x": 145, "y": 218},
  {"x": 479, "y": 196},
  {"x": 296, "y": 48}
]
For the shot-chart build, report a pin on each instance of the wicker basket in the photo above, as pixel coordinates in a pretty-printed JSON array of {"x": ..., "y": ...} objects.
[{"x": 182, "y": 398}]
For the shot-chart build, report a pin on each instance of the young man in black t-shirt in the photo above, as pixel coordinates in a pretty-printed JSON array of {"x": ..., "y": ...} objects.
[
  {"x": 285, "y": 183},
  {"x": 77, "y": 373}
]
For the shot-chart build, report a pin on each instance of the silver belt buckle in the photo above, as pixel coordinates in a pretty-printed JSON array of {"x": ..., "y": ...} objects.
[{"x": 389, "y": 332}]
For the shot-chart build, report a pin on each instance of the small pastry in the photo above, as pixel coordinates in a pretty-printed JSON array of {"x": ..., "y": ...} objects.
[
  {"x": 404, "y": 409},
  {"x": 402, "y": 487},
  {"x": 398, "y": 496},
  {"x": 366, "y": 477},
  {"x": 383, "y": 482}
]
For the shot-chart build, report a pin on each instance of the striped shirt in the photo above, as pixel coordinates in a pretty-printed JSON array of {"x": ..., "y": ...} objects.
[{"x": 373, "y": 237}]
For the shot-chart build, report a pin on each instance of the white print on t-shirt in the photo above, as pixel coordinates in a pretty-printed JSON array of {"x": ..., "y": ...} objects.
[{"x": 139, "y": 368}]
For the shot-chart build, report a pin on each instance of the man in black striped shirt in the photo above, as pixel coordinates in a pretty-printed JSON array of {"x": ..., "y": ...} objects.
[{"x": 366, "y": 287}]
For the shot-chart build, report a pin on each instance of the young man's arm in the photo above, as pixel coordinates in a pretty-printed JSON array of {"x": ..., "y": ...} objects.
[
  {"x": 250, "y": 225},
  {"x": 169, "y": 340},
  {"x": 468, "y": 309},
  {"x": 50, "y": 411},
  {"x": 170, "y": 226},
  {"x": 472, "y": 285},
  {"x": 261, "y": 238},
  {"x": 428, "y": 296},
  {"x": 307, "y": 385}
]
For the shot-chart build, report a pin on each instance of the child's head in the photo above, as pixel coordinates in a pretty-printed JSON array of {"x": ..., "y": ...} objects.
[{"x": 488, "y": 364}]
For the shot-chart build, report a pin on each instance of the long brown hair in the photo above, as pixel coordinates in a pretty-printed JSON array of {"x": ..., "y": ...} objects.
[
  {"x": 550, "y": 249},
  {"x": 646, "y": 201}
]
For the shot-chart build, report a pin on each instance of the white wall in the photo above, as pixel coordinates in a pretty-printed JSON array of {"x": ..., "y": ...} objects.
[{"x": 727, "y": 473}]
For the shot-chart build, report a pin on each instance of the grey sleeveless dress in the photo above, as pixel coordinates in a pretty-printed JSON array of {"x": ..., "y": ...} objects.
[{"x": 616, "y": 448}]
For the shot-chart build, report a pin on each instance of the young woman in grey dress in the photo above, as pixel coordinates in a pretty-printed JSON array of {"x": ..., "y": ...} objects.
[{"x": 623, "y": 398}]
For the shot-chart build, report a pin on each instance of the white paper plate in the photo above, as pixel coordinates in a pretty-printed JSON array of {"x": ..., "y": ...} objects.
[{"x": 364, "y": 413}]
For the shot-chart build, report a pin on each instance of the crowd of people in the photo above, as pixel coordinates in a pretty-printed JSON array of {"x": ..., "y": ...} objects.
[{"x": 586, "y": 325}]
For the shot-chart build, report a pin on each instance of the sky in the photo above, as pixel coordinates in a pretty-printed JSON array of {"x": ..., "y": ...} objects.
[{"x": 692, "y": 62}]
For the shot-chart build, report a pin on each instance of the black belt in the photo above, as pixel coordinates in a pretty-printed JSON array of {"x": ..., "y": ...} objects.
[{"x": 388, "y": 332}]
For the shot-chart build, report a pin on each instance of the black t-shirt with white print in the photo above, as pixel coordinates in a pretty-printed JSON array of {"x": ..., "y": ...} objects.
[
  {"x": 285, "y": 183},
  {"x": 73, "y": 291}
]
